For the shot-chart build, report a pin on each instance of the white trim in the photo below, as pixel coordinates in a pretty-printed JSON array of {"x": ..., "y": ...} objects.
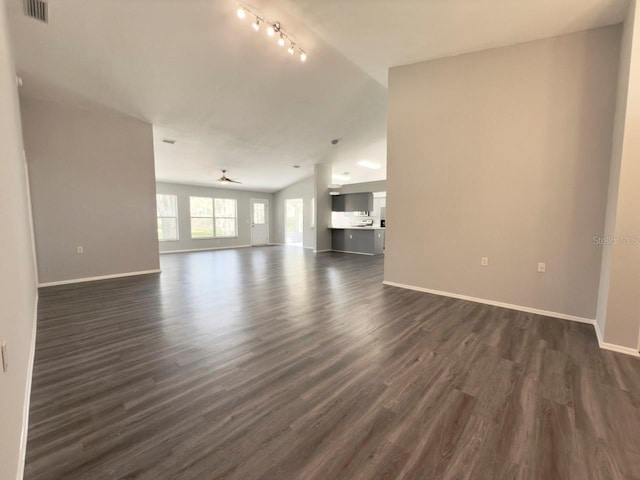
[
  {"x": 267, "y": 218},
  {"x": 280, "y": 244},
  {"x": 308, "y": 248},
  {"x": 27, "y": 399},
  {"x": 546, "y": 313},
  {"x": 93, "y": 279},
  {"x": 322, "y": 251},
  {"x": 619, "y": 349},
  {"x": 357, "y": 253},
  {"x": 612, "y": 347},
  {"x": 205, "y": 249},
  {"x": 596, "y": 327}
]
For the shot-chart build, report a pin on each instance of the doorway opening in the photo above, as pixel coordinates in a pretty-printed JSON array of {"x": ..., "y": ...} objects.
[{"x": 293, "y": 222}]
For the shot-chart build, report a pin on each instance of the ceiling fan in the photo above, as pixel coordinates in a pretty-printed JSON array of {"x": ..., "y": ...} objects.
[{"x": 224, "y": 179}]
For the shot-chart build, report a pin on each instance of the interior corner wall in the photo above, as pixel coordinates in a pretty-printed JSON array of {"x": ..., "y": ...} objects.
[
  {"x": 18, "y": 292},
  {"x": 185, "y": 242},
  {"x": 303, "y": 189},
  {"x": 92, "y": 180},
  {"x": 322, "y": 179},
  {"x": 504, "y": 154},
  {"x": 619, "y": 302}
]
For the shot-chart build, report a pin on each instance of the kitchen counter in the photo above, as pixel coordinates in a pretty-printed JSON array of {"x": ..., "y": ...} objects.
[
  {"x": 357, "y": 228},
  {"x": 362, "y": 240}
]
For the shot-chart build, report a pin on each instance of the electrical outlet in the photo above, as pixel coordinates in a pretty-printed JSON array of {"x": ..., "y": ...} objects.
[
  {"x": 5, "y": 357},
  {"x": 542, "y": 267},
  {"x": 80, "y": 249},
  {"x": 350, "y": 236},
  {"x": 484, "y": 261}
]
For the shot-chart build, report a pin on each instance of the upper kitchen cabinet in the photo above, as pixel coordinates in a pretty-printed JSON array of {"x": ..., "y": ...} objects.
[
  {"x": 352, "y": 202},
  {"x": 379, "y": 205}
]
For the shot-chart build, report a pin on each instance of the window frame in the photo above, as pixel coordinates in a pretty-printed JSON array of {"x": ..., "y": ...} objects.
[
  {"x": 235, "y": 218},
  {"x": 176, "y": 217},
  {"x": 214, "y": 218}
]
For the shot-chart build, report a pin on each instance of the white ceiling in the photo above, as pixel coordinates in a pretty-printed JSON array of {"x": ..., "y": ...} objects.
[
  {"x": 378, "y": 34},
  {"x": 233, "y": 99}
]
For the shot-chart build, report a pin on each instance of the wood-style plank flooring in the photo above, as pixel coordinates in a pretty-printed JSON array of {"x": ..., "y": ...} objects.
[{"x": 275, "y": 363}]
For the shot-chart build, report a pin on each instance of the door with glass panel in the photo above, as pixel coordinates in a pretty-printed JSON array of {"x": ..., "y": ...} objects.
[{"x": 259, "y": 222}]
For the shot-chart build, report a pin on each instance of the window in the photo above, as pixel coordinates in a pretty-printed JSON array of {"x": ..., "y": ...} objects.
[
  {"x": 259, "y": 214},
  {"x": 213, "y": 217},
  {"x": 167, "y": 212},
  {"x": 201, "y": 217},
  {"x": 225, "y": 217}
]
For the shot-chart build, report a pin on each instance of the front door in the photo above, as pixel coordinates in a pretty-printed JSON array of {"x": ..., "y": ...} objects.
[{"x": 259, "y": 222}]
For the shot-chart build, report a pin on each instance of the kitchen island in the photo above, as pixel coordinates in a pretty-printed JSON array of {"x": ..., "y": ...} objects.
[{"x": 361, "y": 240}]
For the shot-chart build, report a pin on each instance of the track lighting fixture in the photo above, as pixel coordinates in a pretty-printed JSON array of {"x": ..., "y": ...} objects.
[{"x": 273, "y": 29}]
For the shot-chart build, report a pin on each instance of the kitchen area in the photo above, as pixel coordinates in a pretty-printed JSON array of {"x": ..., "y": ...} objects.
[{"x": 358, "y": 222}]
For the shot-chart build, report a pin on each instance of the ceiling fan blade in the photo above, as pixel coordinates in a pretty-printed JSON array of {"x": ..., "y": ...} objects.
[{"x": 232, "y": 181}]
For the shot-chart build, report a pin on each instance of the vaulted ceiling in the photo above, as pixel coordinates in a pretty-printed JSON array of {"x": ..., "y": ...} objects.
[{"x": 232, "y": 98}]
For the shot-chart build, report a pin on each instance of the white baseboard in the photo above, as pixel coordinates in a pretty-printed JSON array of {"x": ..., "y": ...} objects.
[
  {"x": 619, "y": 349},
  {"x": 27, "y": 398},
  {"x": 206, "y": 249},
  {"x": 563, "y": 316},
  {"x": 357, "y": 253},
  {"x": 613, "y": 347},
  {"x": 279, "y": 244},
  {"x": 322, "y": 251},
  {"x": 93, "y": 279},
  {"x": 596, "y": 327},
  {"x": 546, "y": 313}
]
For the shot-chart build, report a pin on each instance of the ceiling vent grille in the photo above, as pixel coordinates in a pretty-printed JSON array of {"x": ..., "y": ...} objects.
[{"x": 37, "y": 9}]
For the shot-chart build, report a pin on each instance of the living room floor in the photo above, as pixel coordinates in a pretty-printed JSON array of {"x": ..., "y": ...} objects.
[{"x": 278, "y": 363}]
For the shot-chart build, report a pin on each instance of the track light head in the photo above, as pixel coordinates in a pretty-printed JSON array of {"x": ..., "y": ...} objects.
[{"x": 274, "y": 29}]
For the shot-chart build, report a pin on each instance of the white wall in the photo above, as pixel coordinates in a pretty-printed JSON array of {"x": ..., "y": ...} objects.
[
  {"x": 619, "y": 301},
  {"x": 18, "y": 293},
  {"x": 92, "y": 185},
  {"x": 504, "y": 153},
  {"x": 184, "y": 219},
  {"x": 303, "y": 189},
  {"x": 322, "y": 179}
]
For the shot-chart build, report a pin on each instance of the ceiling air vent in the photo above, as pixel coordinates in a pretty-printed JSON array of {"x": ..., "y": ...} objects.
[{"x": 37, "y": 9}]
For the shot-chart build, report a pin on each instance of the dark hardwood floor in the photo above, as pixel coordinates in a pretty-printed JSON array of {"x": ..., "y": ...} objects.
[{"x": 275, "y": 363}]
